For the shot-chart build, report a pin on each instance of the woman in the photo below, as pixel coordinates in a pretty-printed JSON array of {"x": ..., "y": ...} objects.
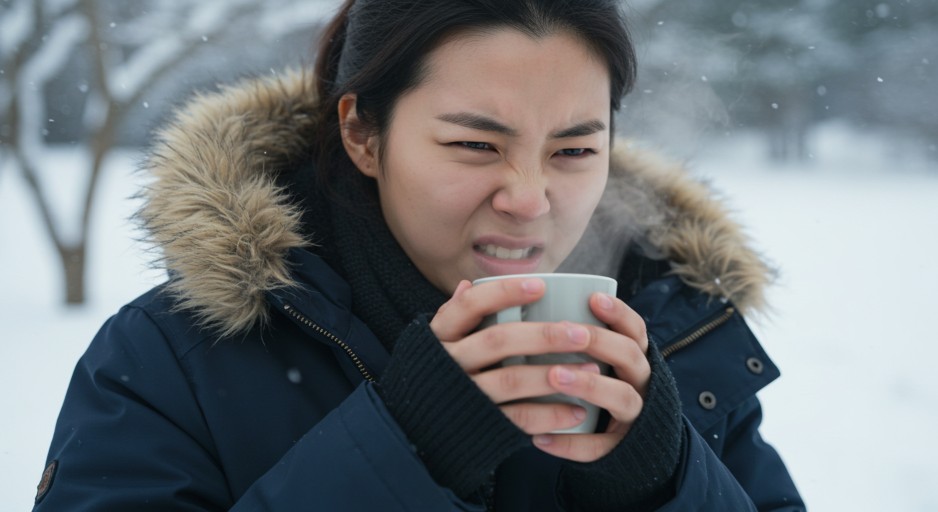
[{"x": 316, "y": 344}]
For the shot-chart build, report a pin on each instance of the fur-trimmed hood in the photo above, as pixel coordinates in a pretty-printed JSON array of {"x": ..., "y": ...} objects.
[{"x": 224, "y": 227}]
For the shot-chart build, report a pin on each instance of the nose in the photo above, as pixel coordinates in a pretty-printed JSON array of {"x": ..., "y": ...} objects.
[{"x": 523, "y": 198}]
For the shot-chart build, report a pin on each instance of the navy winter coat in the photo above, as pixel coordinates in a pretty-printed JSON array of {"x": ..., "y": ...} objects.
[{"x": 162, "y": 414}]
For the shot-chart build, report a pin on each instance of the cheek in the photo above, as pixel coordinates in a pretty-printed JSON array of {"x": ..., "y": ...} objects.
[
  {"x": 438, "y": 201},
  {"x": 427, "y": 206},
  {"x": 578, "y": 199}
]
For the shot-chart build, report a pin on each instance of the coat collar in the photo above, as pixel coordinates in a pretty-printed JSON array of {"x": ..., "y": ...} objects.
[{"x": 224, "y": 228}]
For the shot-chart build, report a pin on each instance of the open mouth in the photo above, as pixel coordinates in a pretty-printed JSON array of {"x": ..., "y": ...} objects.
[{"x": 504, "y": 253}]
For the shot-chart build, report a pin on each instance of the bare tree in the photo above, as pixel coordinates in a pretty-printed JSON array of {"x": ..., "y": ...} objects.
[{"x": 39, "y": 37}]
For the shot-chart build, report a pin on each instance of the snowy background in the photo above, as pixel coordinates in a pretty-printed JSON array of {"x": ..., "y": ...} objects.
[
  {"x": 853, "y": 231},
  {"x": 816, "y": 120}
]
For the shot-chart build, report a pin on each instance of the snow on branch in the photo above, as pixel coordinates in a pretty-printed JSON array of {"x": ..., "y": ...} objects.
[
  {"x": 15, "y": 26},
  {"x": 127, "y": 80},
  {"x": 48, "y": 60},
  {"x": 295, "y": 15},
  {"x": 57, "y": 7},
  {"x": 211, "y": 16}
]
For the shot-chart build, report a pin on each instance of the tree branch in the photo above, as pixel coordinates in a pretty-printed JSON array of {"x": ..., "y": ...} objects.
[
  {"x": 20, "y": 158},
  {"x": 147, "y": 66},
  {"x": 29, "y": 106},
  {"x": 152, "y": 61}
]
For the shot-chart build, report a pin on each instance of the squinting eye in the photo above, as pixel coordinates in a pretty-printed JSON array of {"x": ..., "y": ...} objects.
[
  {"x": 480, "y": 146},
  {"x": 575, "y": 152}
]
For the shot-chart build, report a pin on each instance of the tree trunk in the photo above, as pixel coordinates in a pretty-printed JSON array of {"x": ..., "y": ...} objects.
[
  {"x": 788, "y": 138},
  {"x": 73, "y": 262},
  {"x": 778, "y": 145}
]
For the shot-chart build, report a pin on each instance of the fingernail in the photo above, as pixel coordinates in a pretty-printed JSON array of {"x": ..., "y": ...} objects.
[
  {"x": 591, "y": 367},
  {"x": 532, "y": 285},
  {"x": 565, "y": 376},
  {"x": 605, "y": 302},
  {"x": 542, "y": 440},
  {"x": 577, "y": 334},
  {"x": 579, "y": 413}
]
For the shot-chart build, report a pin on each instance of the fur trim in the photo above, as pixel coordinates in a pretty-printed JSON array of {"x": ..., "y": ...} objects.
[
  {"x": 213, "y": 208},
  {"x": 224, "y": 227},
  {"x": 691, "y": 228}
]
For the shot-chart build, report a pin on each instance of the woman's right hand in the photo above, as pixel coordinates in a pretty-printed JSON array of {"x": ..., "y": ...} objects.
[{"x": 478, "y": 351}]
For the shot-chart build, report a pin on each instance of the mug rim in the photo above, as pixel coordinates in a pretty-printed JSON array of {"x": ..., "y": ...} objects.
[{"x": 547, "y": 275}]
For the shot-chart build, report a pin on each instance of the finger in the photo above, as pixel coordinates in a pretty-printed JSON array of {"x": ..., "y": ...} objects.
[
  {"x": 620, "y": 318},
  {"x": 521, "y": 381},
  {"x": 494, "y": 344},
  {"x": 620, "y": 398},
  {"x": 463, "y": 312},
  {"x": 536, "y": 418},
  {"x": 624, "y": 354},
  {"x": 577, "y": 447},
  {"x": 461, "y": 287}
]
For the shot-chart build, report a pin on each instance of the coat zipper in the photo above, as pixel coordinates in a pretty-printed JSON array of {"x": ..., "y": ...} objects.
[
  {"x": 328, "y": 335},
  {"x": 699, "y": 332}
]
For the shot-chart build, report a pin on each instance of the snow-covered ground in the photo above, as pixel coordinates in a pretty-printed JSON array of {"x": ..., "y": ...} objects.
[{"x": 853, "y": 233}]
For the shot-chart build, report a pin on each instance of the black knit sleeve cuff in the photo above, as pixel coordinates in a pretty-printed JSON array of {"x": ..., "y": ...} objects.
[
  {"x": 638, "y": 474},
  {"x": 458, "y": 432}
]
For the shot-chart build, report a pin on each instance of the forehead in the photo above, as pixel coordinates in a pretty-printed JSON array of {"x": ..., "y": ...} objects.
[{"x": 512, "y": 75}]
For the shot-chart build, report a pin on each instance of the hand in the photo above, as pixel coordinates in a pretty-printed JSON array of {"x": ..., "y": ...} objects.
[{"x": 624, "y": 346}]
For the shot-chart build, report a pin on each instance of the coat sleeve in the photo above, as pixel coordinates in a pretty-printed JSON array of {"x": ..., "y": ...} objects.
[
  {"x": 750, "y": 475},
  {"x": 131, "y": 436}
]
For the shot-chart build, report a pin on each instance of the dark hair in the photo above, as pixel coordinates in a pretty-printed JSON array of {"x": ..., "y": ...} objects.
[{"x": 378, "y": 48}]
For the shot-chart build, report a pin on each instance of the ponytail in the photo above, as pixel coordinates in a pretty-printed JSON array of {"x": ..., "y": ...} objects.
[
  {"x": 330, "y": 51},
  {"x": 329, "y": 153}
]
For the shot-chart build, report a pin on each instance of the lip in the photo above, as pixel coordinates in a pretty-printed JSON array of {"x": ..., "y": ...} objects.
[{"x": 492, "y": 266}]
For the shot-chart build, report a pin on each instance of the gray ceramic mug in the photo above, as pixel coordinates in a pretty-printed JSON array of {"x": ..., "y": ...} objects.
[{"x": 566, "y": 298}]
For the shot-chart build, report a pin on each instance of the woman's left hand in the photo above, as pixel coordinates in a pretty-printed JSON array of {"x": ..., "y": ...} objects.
[{"x": 624, "y": 346}]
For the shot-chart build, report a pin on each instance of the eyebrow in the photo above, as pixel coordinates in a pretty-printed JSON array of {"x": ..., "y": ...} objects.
[
  {"x": 477, "y": 122},
  {"x": 580, "y": 130},
  {"x": 486, "y": 124}
]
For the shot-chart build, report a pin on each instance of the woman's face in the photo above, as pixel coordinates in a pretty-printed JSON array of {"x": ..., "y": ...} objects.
[{"x": 494, "y": 164}]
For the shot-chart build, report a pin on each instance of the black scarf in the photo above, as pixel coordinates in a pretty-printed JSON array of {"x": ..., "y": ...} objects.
[{"x": 388, "y": 291}]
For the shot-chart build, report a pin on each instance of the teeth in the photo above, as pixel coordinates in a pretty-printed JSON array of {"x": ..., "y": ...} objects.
[{"x": 505, "y": 253}]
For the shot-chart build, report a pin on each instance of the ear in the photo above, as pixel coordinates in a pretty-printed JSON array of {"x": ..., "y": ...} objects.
[{"x": 361, "y": 147}]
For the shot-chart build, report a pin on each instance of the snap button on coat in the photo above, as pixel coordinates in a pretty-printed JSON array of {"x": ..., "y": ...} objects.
[
  {"x": 707, "y": 400},
  {"x": 755, "y": 365}
]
